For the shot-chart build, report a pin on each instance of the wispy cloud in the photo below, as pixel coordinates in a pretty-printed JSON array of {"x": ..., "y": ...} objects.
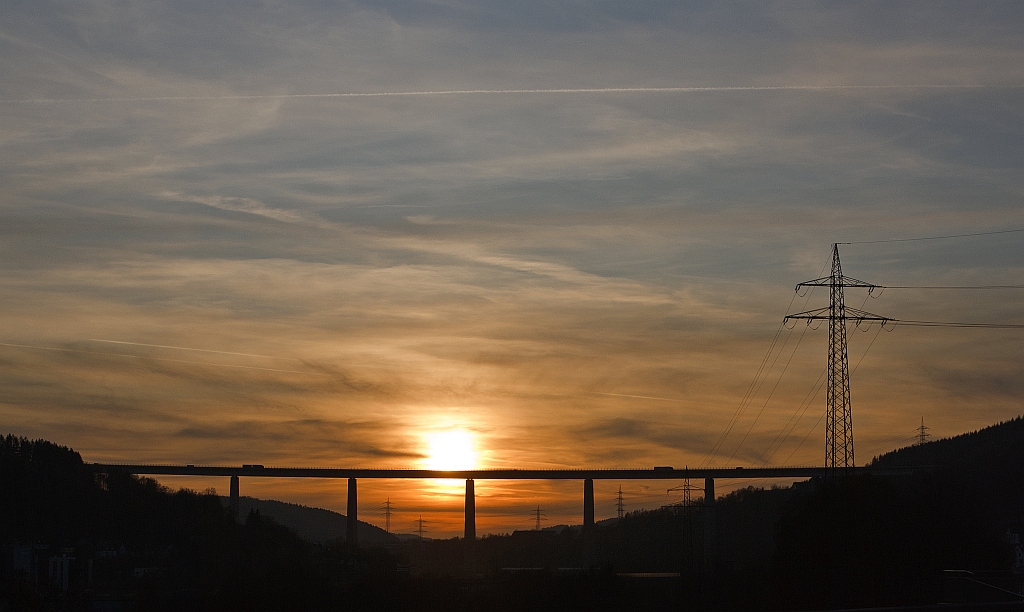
[{"x": 313, "y": 233}]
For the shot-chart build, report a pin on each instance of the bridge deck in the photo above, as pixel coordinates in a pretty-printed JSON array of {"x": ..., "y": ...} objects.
[{"x": 658, "y": 473}]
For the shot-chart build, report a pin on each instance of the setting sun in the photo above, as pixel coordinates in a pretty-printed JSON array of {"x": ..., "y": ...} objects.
[{"x": 453, "y": 449}]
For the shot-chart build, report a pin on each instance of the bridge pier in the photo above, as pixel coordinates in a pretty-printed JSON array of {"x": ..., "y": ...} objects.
[
  {"x": 709, "y": 521},
  {"x": 233, "y": 503},
  {"x": 352, "y": 520},
  {"x": 470, "y": 511},
  {"x": 588, "y": 503}
]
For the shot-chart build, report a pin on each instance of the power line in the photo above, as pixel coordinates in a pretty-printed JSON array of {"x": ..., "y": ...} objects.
[
  {"x": 818, "y": 390},
  {"x": 750, "y": 389},
  {"x": 768, "y": 399},
  {"x": 757, "y": 382},
  {"x": 911, "y": 323},
  {"x": 795, "y": 418},
  {"x": 949, "y": 286},
  {"x": 859, "y": 316},
  {"x": 1012, "y": 231}
]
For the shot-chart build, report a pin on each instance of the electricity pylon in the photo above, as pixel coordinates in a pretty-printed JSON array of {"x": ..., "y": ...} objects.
[
  {"x": 686, "y": 488},
  {"x": 922, "y": 433},
  {"x": 839, "y": 418},
  {"x": 419, "y": 528},
  {"x": 539, "y": 516}
]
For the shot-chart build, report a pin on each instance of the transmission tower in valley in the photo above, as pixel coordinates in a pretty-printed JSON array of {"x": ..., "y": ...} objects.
[
  {"x": 839, "y": 417},
  {"x": 539, "y": 516},
  {"x": 387, "y": 516},
  {"x": 620, "y": 508},
  {"x": 687, "y": 490}
]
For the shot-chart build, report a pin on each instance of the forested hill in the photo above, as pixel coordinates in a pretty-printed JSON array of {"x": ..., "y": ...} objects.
[
  {"x": 314, "y": 524},
  {"x": 141, "y": 545},
  {"x": 857, "y": 541},
  {"x": 1000, "y": 445}
]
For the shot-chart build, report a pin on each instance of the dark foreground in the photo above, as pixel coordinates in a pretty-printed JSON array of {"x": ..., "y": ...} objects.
[{"x": 74, "y": 540}]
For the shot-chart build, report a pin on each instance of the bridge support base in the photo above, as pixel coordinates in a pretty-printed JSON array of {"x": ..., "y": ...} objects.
[
  {"x": 470, "y": 511},
  {"x": 469, "y": 550},
  {"x": 709, "y": 521},
  {"x": 588, "y": 503},
  {"x": 352, "y": 519},
  {"x": 233, "y": 503}
]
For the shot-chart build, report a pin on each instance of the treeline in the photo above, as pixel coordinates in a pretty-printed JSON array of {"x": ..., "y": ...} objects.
[
  {"x": 137, "y": 545},
  {"x": 854, "y": 542}
]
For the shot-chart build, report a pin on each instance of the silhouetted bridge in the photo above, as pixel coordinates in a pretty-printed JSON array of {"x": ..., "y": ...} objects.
[{"x": 588, "y": 476}]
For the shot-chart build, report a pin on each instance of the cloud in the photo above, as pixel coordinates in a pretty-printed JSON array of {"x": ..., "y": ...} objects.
[
  {"x": 322, "y": 438},
  {"x": 539, "y": 268},
  {"x": 242, "y": 205}
]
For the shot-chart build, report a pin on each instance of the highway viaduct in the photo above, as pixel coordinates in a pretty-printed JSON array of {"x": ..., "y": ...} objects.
[{"x": 588, "y": 476}]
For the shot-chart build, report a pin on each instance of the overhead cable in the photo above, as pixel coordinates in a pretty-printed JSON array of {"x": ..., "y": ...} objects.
[{"x": 1012, "y": 231}]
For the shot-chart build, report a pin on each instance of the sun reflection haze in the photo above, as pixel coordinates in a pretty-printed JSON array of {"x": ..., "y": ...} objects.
[{"x": 451, "y": 449}]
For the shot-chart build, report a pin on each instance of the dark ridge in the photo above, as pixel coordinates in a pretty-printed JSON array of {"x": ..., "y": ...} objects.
[
  {"x": 854, "y": 542},
  {"x": 1002, "y": 444},
  {"x": 314, "y": 524}
]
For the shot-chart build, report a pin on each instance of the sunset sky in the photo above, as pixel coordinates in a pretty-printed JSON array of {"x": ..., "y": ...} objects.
[{"x": 208, "y": 256}]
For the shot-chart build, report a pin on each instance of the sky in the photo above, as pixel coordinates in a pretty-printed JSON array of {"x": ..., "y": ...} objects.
[{"x": 549, "y": 234}]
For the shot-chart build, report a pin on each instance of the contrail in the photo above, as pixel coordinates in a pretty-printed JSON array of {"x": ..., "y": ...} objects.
[
  {"x": 204, "y": 363},
  {"x": 465, "y": 92},
  {"x": 663, "y": 399},
  {"x": 184, "y": 348}
]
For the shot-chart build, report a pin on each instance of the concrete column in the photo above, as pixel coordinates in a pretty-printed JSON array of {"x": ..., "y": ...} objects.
[
  {"x": 470, "y": 511},
  {"x": 709, "y": 520},
  {"x": 352, "y": 533},
  {"x": 233, "y": 504},
  {"x": 588, "y": 503},
  {"x": 469, "y": 547}
]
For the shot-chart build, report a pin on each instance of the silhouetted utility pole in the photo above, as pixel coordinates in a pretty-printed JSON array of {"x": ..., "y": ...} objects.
[
  {"x": 620, "y": 509},
  {"x": 539, "y": 516},
  {"x": 839, "y": 418},
  {"x": 387, "y": 516},
  {"x": 687, "y": 490},
  {"x": 922, "y": 433},
  {"x": 419, "y": 528}
]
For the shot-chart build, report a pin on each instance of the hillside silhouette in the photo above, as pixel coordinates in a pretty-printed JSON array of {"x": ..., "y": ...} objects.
[
  {"x": 998, "y": 445},
  {"x": 129, "y": 543},
  {"x": 317, "y": 525}
]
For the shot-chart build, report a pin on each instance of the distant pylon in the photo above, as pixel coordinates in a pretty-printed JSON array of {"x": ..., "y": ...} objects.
[
  {"x": 687, "y": 490},
  {"x": 419, "y": 528},
  {"x": 620, "y": 508},
  {"x": 839, "y": 417},
  {"x": 387, "y": 516},
  {"x": 539, "y": 516},
  {"x": 922, "y": 433}
]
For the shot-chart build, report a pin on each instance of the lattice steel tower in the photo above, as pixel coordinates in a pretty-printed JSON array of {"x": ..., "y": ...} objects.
[{"x": 839, "y": 417}]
